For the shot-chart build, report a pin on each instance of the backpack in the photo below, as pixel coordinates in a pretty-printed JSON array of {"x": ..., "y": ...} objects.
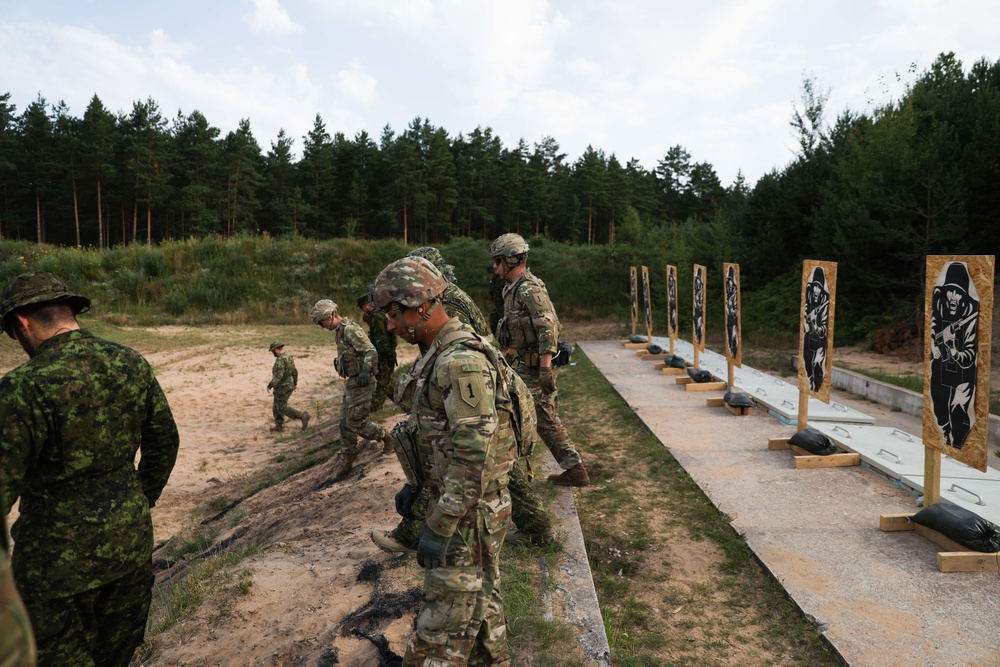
[{"x": 512, "y": 395}]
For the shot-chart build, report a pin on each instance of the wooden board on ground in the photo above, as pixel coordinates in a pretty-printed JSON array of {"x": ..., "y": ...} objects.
[
  {"x": 806, "y": 459},
  {"x": 957, "y": 558}
]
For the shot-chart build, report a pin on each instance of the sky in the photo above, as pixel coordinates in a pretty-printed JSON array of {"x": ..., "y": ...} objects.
[{"x": 631, "y": 78}]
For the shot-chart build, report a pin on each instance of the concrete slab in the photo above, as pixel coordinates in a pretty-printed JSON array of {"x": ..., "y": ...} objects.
[{"x": 878, "y": 597}]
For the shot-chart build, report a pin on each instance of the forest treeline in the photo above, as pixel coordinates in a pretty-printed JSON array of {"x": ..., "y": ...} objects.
[{"x": 875, "y": 190}]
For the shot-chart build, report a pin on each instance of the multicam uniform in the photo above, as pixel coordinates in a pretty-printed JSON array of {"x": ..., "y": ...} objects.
[
  {"x": 356, "y": 353},
  {"x": 71, "y": 421},
  {"x": 530, "y": 327},
  {"x": 467, "y": 452},
  {"x": 385, "y": 345},
  {"x": 284, "y": 379}
]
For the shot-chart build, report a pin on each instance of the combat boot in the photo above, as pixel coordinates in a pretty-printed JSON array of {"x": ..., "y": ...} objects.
[
  {"x": 305, "y": 420},
  {"x": 277, "y": 428},
  {"x": 575, "y": 476},
  {"x": 342, "y": 464},
  {"x": 384, "y": 540}
]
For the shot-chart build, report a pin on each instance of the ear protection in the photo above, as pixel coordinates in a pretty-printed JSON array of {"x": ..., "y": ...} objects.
[{"x": 513, "y": 261}]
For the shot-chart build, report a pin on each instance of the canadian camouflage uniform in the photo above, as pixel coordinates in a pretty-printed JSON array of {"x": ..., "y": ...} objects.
[
  {"x": 467, "y": 455},
  {"x": 71, "y": 421},
  {"x": 384, "y": 342},
  {"x": 284, "y": 380},
  {"x": 458, "y": 303},
  {"x": 356, "y": 353},
  {"x": 530, "y": 327}
]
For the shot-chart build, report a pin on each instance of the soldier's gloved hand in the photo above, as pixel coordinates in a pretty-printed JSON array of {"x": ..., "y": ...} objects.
[
  {"x": 405, "y": 498},
  {"x": 363, "y": 378},
  {"x": 432, "y": 549},
  {"x": 545, "y": 380}
]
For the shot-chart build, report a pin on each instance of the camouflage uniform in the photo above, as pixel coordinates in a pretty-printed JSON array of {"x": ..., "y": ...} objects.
[
  {"x": 530, "y": 327},
  {"x": 497, "y": 284},
  {"x": 355, "y": 353},
  {"x": 459, "y": 304},
  {"x": 71, "y": 421},
  {"x": 384, "y": 342},
  {"x": 467, "y": 454},
  {"x": 284, "y": 380},
  {"x": 17, "y": 642}
]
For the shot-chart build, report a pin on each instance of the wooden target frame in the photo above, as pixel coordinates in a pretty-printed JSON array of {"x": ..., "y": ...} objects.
[
  {"x": 672, "y": 326},
  {"x": 731, "y": 311},
  {"x": 957, "y": 356},
  {"x": 816, "y": 322},
  {"x": 634, "y": 287},
  {"x": 698, "y": 289},
  {"x": 647, "y": 305}
]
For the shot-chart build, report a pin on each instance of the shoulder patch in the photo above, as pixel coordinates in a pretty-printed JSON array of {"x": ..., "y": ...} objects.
[{"x": 470, "y": 390}]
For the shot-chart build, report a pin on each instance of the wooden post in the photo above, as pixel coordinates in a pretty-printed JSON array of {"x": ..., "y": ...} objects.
[
  {"x": 732, "y": 376},
  {"x": 803, "y": 419},
  {"x": 932, "y": 476}
]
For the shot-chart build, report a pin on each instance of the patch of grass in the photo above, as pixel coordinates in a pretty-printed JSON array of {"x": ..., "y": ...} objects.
[{"x": 197, "y": 542}]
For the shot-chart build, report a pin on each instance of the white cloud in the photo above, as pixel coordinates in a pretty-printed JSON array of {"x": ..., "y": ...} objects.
[
  {"x": 270, "y": 16},
  {"x": 356, "y": 84}
]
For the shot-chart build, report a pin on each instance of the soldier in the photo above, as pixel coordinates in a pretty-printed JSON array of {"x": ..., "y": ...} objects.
[
  {"x": 385, "y": 346},
  {"x": 72, "y": 419},
  {"x": 284, "y": 380},
  {"x": 530, "y": 328},
  {"x": 496, "y": 296},
  {"x": 356, "y": 362},
  {"x": 17, "y": 642},
  {"x": 466, "y": 452},
  {"x": 455, "y": 300}
]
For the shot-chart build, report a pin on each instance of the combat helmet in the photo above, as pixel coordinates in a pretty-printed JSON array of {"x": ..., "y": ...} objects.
[
  {"x": 508, "y": 245},
  {"x": 323, "y": 309},
  {"x": 409, "y": 282},
  {"x": 434, "y": 256},
  {"x": 40, "y": 287}
]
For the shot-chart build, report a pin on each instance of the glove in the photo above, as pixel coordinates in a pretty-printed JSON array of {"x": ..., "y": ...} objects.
[
  {"x": 546, "y": 381},
  {"x": 405, "y": 498},
  {"x": 363, "y": 378},
  {"x": 431, "y": 549}
]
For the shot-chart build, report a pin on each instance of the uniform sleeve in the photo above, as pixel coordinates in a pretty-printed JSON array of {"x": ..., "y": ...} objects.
[
  {"x": 467, "y": 388},
  {"x": 543, "y": 316},
  {"x": 277, "y": 372},
  {"x": 159, "y": 443},
  {"x": 359, "y": 341},
  {"x": 23, "y": 434}
]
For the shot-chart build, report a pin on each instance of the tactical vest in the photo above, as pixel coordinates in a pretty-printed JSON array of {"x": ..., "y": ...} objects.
[{"x": 350, "y": 360}]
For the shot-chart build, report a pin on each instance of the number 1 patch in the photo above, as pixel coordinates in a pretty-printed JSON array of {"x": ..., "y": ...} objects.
[{"x": 472, "y": 393}]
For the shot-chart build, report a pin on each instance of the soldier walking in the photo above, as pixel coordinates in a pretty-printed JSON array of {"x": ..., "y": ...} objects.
[
  {"x": 356, "y": 362},
  {"x": 466, "y": 451},
  {"x": 72, "y": 419},
  {"x": 530, "y": 328},
  {"x": 284, "y": 380}
]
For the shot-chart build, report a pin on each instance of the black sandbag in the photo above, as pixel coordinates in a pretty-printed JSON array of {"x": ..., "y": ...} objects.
[
  {"x": 699, "y": 375},
  {"x": 636, "y": 338},
  {"x": 738, "y": 400},
  {"x": 654, "y": 349},
  {"x": 959, "y": 524},
  {"x": 678, "y": 362},
  {"x": 813, "y": 442}
]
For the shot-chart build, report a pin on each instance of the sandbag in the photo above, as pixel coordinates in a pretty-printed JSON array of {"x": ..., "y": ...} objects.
[
  {"x": 959, "y": 524},
  {"x": 699, "y": 375},
  {"x": 678, "y": 362},
  {"x": 813, "y": 442},
  {"x": 636, "y": 338},
  {"x": 654, "y": 349},
  {"x": 738, "y": 400}
]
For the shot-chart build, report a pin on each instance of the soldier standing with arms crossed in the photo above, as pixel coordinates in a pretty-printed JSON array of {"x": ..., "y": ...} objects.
[
  {"x": 356, "y": 362},
  {"x": 466, "y": 452},
  {"x": 530, "y": 328},
  {"x": 72, "y": 419},
  {"x": 284, "y": 380}
]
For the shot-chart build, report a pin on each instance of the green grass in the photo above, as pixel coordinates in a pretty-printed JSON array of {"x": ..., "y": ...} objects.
[
  {"x": 916, "y": 383},
  {"x": 641, "y": 501}
]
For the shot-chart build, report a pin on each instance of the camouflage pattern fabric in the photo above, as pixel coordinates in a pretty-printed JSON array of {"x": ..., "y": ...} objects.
[
  {"x": 459, "y": 304},
  {"x": 284, "y": 379},
  {"x": 17, "y": 641},
  {"x": 355, "y": 419},
  {"x": 354, "y": 351},
  {"x": 434, "y": 256},
  {"x": 529, "y": 321},
  {"x": 96, "y": 627},
  {"x": 385, "y": 346},
  {"x": 72, "y": 419},
  {"x": 461, "y": 614},
  {"x": 550, "y": 427}
]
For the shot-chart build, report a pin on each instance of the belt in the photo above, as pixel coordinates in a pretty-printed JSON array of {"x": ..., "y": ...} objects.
[{"x": 531, "y": 359}]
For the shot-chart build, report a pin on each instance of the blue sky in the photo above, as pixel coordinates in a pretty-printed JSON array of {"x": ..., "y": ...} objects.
[{"x": 630, "y": 77}]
